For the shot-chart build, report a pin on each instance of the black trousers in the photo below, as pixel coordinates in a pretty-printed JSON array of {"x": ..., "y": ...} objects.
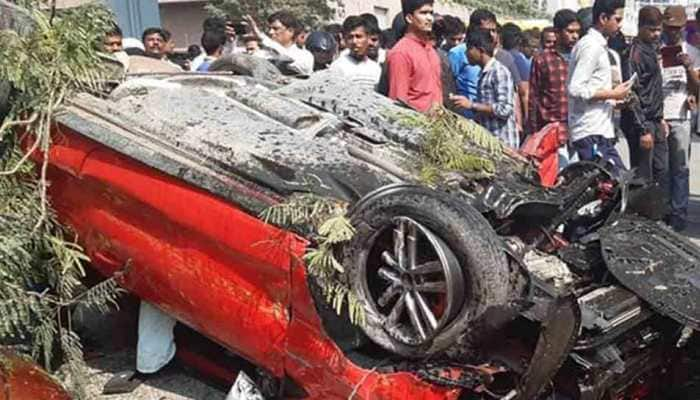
[{"x": 652, "y": 165}]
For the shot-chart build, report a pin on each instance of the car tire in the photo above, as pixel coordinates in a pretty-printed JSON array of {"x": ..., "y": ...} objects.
[{"x": 473, "y": 271}]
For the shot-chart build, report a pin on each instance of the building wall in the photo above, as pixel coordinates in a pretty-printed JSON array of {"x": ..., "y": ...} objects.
[
  {"x": 184, "y": 20},
  {"x": 385, "y": 10}
]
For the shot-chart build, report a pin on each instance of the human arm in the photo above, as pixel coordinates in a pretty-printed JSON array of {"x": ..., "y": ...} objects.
[
  {"x": 399, "y": 70},
  {"x": 503, "y": 107},
  {"x": 265, "y": 41},
  {"x": 584, "y": 64},
  {"x": 524, "y": 93},
  {"x": 464, "y": 103},
  {"x": 534, "y": 97},
  {"x": 692, "y": 68}
]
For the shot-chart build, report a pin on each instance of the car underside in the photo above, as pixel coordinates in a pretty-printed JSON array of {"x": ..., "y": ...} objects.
[{"x": 476, "y": 288}]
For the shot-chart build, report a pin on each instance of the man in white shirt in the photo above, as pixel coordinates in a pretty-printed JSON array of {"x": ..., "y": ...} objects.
[
  {"x": 356, "y": 64},
  {"x": 283, "y": 29},
  {"x": 591, "y": 93}
]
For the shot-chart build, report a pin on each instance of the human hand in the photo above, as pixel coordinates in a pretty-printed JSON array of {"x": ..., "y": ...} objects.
[
  {"x": 646, "y": 141},
  {"x": 230, "y": 32},
  {"x": 684, "y": 58},
  {"x": 665, "y": 128},
  {"x": 252, "y": 25},
  {"x": 621, "y": 91},
  {"x": 461, "y": 101}
]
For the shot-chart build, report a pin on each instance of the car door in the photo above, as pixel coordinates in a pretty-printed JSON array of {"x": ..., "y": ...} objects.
[{"x": 194, "y": 255}]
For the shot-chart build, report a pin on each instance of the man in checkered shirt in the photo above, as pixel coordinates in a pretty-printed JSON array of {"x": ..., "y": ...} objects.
[
  {"x": 550, "y": 68},
  {"x": 494, "y": 106}
]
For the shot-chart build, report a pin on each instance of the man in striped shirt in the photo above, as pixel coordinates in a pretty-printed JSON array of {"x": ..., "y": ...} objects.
[{"x": 494, "y": 107}]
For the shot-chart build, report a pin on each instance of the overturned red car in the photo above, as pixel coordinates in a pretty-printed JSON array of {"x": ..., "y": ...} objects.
[{"x": 480, "y": 289}]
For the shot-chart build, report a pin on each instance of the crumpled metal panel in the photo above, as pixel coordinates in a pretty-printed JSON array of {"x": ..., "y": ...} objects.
[{"x": 659, "y": 265}]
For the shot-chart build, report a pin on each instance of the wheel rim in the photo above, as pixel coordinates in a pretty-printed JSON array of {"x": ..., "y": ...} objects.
[{"x": 414, "y": 282}]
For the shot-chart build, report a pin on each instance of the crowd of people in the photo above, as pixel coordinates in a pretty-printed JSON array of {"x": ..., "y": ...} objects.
[
  {"x": 574, "y": 91},
  {"x": 579, "y": 80}
]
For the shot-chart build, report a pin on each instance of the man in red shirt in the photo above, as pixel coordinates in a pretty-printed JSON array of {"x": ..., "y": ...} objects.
[{"x": 413, "y": 64}]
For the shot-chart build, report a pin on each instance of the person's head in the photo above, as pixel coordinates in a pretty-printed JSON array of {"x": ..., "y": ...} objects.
[
  {"x": 113, "y": 40},
  {"x": 480, "y": 46},
  {"x": 649, "y": 24},
  {"x": 371, "y": 19},
  {"x": 323, "y": 47},
  {"x": 398, "y": 26},
  {"x": 214, "y": 24},
  {"x": 530, "y": 43},
  {"x": 356, "y": 34},
  {"x": 483, "y": 19},
  {"x": 419, "y": 16},
  {"x": 674, "y": 21},
  {"x": 337, "y": 31},
  {"x": 213, "y": 42},
  {"x": 452, "y": 30},
  {"x": 251, "y": 44},
  {"x": 153, "y": 41},
  {"x": 301, "y": 37},
  {"x": 548, "y": 38},
  {"x": 284, "y": 28},
  {"x": 374, "y": 33},
  {"x": 511, "y": 36},
  {"x": 169, "y": 42},
  {"x": 193, "y": 51},
  {"x": 608, "y": 15},
  {"x": 567, "y": 28},
  {"x": 585, "y": 18}
]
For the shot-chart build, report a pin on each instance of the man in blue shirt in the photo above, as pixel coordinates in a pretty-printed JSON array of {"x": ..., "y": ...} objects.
[{"x": 467, "y": 75}]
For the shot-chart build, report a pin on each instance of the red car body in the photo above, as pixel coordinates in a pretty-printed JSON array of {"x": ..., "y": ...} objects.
[{"x": 212, "y": 266}]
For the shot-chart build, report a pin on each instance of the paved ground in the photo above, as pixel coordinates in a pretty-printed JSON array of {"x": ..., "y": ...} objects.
[
  {"x": 177, "y": 384},
  {"x": 110, "y": 341},
  {"x": 172, "y": 384}
]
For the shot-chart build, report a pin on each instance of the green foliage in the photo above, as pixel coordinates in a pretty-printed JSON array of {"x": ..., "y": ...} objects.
[
  {"x": 323, "y": 220},
  {"x": 40, "y": 277},
  {"x": 455, "y": 145},
  {"x": 51, "y": 57},
  {"x": 312, "y": 13}
]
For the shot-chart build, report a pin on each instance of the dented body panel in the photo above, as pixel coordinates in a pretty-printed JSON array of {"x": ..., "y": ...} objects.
[{"x": 212, "y": 266}]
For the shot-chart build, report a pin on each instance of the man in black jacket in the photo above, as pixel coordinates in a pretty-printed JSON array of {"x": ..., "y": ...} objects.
[{"x": 642, "y": 121}]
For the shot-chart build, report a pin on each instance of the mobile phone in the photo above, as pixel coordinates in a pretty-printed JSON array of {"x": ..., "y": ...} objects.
[
  {"x": 240, "y": 28},
  {"x": 632, "y": 79},
  {"x": 670, "y": 56}
]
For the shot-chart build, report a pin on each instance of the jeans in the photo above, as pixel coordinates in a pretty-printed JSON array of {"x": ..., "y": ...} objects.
[
  {"x": 679, "y": 173},
  {"x": 592, "y": 147}
]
